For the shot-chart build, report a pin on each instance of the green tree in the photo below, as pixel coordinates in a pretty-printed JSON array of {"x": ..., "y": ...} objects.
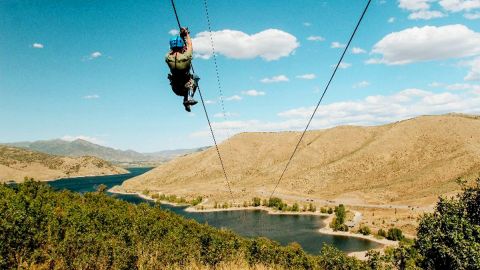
[{"x": 449, "y": 238}]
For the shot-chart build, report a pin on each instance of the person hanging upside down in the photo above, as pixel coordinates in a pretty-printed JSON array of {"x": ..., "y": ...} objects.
[{"x": 179, "y": 60}]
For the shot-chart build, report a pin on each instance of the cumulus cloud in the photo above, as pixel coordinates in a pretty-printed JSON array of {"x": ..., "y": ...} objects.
[
  {"x": 459, "y": 5},
  {"x": 307, "y": 24},
  {"x": 337, "y": 45},
  {"x": 37, "y": 45},
  {"x": 391, "y": 20},
  {"x": 209, "y": 102},
  {"x": 472, "y": 16},
  {"x": 464, "y": 86},
  {"x": 372, "y": 110},
  {"x": 227, "y": 114},
  {"x": 71, "y": 138},
  {"x": 95, "y": 96},
  {"x": 426, "y": 15},
  {"x": 413, "y": 5},
  {"x": 343, "y": 65},
  {"x": 275, "y": 79},
  {"x": 361, "y": 84},
  {"x": 309, "y": 76},
  {"x": 420, "y": 9},
  {"x": 315, "y": 38},
  {"x": 358, "y": 50},
  {"x": 253, "y": 93},
  {"x": 426, "y": 43},
  {"x": 173, "y": 32},
  {"x": 474, "y": 73},
  {"x": 234, "y": 98},
  {"x": 270, "y": 44}
]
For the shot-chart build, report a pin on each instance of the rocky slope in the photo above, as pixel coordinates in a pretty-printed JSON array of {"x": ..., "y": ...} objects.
[{"x": 16, "y": 164}]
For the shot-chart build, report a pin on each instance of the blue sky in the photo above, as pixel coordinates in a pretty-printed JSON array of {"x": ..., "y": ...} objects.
[{"x": 96, "y": 70}]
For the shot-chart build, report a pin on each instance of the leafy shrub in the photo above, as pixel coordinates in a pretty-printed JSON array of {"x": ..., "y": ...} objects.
[
  {"x": 394, "y": 234},
  {"x": 382, "y": 232},
  {"x": 44, "y": 229},
  {"x": 256, "y": 201},
  {"x": 365, "y": 230}
]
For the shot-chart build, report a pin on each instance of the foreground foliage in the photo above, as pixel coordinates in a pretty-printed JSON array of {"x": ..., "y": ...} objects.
[{"x": 45, "y": 229}]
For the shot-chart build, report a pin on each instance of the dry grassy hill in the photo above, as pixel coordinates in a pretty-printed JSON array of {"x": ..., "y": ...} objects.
[
  {"x": 404, "y": 163},
  {"x": 16, "y": 164}
]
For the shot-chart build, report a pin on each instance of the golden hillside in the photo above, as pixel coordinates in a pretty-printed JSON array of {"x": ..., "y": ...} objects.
[
  {"x": 16, "y": 164},
  {"x": 409, "y": 162}
]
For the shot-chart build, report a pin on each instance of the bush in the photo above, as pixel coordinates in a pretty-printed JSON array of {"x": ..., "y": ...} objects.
[
  {"x": 312, "y": 208},
  {"x": 256, "y": 201},
  {"x": 44, "y": 229},
  {"x": 365, "y": 230},
  {"x": 382, "y": 232},
  {"x": 197, "y": 200},
  {"x": 323, "y": 210},
  {"x": 275, "y": 202},
  {"x": 295, "y": 207},
  {"x": 330, "y": 211},
  {"x": 394, "y": 234}
]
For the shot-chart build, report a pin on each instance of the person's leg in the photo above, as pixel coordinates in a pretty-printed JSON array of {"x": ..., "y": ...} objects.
[{"x": 190, "y": 86}]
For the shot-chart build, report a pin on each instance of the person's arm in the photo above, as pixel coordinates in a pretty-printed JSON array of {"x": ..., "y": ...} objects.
[{"x": 186, "y": 36}]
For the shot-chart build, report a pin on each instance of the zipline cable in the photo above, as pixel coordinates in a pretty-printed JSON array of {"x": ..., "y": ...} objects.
[
  {"x": 323, "y": 94},
  {"x": 206, "y": 115}
]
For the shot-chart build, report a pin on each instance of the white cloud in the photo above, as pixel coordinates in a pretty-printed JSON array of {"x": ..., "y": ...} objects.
[
  {"x": 37, "y": 45},
  {"x": 361, "y": 84},
  {"x": 426, "y": 15},
  {"x": 94, "y": 55},
  {"x": 270, "y": 44},
  {"x": 253, "y": 93},
  {"x": 309, "y": 76},
  {"x": 307, "y": 24},
  {"x": 275, "y": 79},
  {"x": 426, "y": 43},
  {"x": 358, "y": 50},
  {"x": 344, "y": 65},
  {"x": 227, "y": 114},
  {"x": 173, "y": 32},
  {"x": 209, "y": 102},
  {"x": 413, "y": 5},
  {"x": 82, "y": 137},
  {"x": 459, "y": 5},
  {"x": 234, "y": 98},
  {"x": 472, "y": 16},
  {"x": 372, "y": 110},
  {"x": 463, "y": 86},
  {"x": 391, "y": 20},
  {"x": 315, "y": 38},
  {"x": 95, "y": 96},
  {"x": 435, "y": 84},
  {"x": 337, "y": 45},
  {"x": 474, "y": 73}
]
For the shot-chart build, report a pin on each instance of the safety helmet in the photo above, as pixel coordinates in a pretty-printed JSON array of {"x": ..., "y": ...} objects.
[{"x": 176, "y": 42}]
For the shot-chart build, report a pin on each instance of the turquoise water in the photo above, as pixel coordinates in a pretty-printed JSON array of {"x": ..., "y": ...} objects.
[{"x": 282, "y": 228}]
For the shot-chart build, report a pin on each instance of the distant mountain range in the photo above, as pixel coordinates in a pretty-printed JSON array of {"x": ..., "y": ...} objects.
[{"x": 81, "y": 147}]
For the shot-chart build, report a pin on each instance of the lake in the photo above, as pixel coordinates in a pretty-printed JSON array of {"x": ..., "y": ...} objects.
[{"x": 302, "y": 229}]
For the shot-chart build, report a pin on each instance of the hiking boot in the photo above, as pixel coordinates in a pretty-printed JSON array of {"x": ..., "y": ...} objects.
[
  {"x": 187, "y": 108},
  {"x": 191, "y": 102}
]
